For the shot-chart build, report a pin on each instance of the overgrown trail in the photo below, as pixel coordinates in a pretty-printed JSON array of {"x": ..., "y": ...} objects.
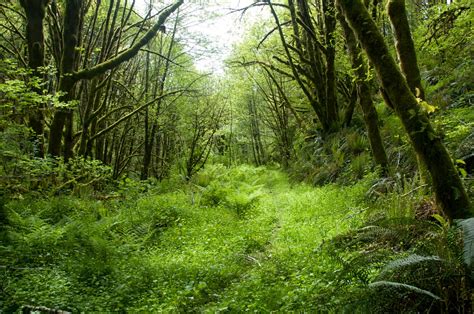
[
  {"x": 258, "y": 247},
  {"x": 236, "y": 239}
]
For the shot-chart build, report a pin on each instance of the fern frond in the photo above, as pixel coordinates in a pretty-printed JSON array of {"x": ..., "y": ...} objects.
[
  {"x": 398, "y": 285},
  {"x": 410, "y": 260},
  {"x": 467, "y": 226},
  {"x": 377, "y": 233}
]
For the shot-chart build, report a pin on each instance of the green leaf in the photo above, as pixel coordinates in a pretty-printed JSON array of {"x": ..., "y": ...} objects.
[
  {"x": 426, "y": 106},
  {"x": 398, "y": 285}
]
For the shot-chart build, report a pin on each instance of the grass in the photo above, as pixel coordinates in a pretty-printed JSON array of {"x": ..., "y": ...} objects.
[{"x": 240, "y": 239}]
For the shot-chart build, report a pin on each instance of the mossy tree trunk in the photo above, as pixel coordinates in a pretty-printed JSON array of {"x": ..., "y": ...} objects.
[
  {"x": 405, "y": 47},
  {"x": 71, "y": 31},
  {"x": 447, "y": 185},
  {"x": 35, "y": 12},
  {"x": 162, "y": 66},
  {"x": 332, "y": 112},
  {"x": 311, "y": 58},
  {"x": 365, "y": 98},
  {"x": 406, "y": 54}
]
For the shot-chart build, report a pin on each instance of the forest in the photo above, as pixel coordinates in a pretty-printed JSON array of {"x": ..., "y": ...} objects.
[{"x": 300, "y": 156}]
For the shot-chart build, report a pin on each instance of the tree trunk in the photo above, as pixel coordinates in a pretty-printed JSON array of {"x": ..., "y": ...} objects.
[
  {"x": 448, "y": 187},
  {"x": 365, "y": 99},
  {"x": 332, "y": 109},
  {"x": 35, "y": 12},
  {"x": 159, "y": 89},
  {"x": 407, "y": 58},
  {"x": 148, "y": 145},
  {"x": 405, "y": 46},
  {"x": 72, "y": 21}
]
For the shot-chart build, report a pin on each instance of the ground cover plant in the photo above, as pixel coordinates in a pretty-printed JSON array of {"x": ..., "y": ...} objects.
[{"x": 205, "y": 247}]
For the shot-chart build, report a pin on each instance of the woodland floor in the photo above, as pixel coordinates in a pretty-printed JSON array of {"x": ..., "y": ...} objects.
[{"x": 247, "y": 239}]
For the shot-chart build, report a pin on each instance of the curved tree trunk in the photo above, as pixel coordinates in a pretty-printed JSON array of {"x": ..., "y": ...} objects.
[
  {"x": 407, "y": 58},
  {"x": 450, "y": 192}
]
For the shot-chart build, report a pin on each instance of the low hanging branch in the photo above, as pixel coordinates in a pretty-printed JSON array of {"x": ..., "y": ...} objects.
[
  {"x": 263, "y": 64},
  {"x": 130, "y": 52},
  {"x": 443, "y": 24},
  {"x": 113, "y": 125},
  {"x": 270, "y": 33},
  {"x": 149, "y": 103},
  {"x": 162, "y": 56}
]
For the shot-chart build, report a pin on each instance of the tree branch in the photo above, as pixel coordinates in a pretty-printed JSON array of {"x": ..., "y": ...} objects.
[{"x": 130, "y": 52}]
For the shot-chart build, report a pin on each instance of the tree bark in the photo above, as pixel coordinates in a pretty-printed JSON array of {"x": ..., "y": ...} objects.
[
  {"x": 365, "y": 99},
  {"x": 405, "y": 47},
  {"x": 66, "y": 82},
  {"x": 447, "y": 185},
  {"x": 148, "y": 145},
  {"x": 407, "y": 58},
  {"x": 159, "y": 89},
  {"x": 332, "y": 109},
  {"x": 35, "y": 11}
]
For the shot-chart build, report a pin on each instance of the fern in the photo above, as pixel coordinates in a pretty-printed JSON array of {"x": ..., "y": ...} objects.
[
  {"x": 398, "y": 285},
  {"x": 378, "y": 232},
  {"x": 411, "y": 260},
  {"x": 467, "y": 226}
]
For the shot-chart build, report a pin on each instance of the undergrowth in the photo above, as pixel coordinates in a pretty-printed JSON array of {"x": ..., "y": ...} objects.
[{"x": 230, "y": 240}]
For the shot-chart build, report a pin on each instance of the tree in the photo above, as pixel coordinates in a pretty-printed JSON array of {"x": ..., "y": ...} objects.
[
  {"x": 311, "y": 60},
  {"x": 405, "y": 46},
  {"x": 35, "y": 11},
  {"x": 203, "y": 122},
  {"x": 447, "y": 185},
  {"x": 69, "y": 75},
  {"x": 161, "y": 69},
  {"x": 365, "y": 98}
]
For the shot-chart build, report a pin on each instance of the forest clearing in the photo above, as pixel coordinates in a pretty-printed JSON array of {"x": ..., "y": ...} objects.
[{"x": 235, "y": 156}]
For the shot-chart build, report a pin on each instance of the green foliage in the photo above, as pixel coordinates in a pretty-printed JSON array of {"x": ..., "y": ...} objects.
[
  {"x": 446, "y": 46},
  {"x": 398, "y": 197},
  {"x": 408, "y": 261},
  {"x": 342, "y": 157},
  {"x": 233, "y": 238},
  {"x": 403, "y": 265},
  {"x": 237, "y": 188},
  {"x": 162, "y": 253},
  {"x": 48, "y": 176},
  {"x": 20, "y": 90},
  {"x": 467, "y": 227},
  {"x": 457, "y": 127},
  {"x": 20, "y": 172},
  {"x": 85, "y": 246},
  {"x": 397, "y": 285}
]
